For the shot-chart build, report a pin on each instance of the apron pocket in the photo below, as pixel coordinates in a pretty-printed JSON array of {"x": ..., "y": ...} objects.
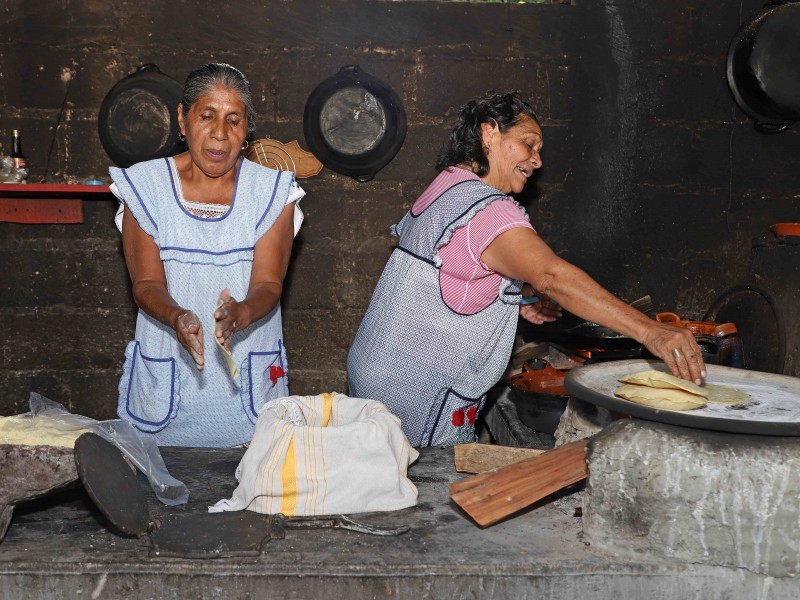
[
  {"x": 149, "y": 390},
  {"x": 452, "y": 420},
  {"x": 263, "y": 379}
]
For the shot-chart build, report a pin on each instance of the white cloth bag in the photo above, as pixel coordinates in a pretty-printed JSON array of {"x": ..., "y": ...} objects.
[{"x": 323, "y": 455}]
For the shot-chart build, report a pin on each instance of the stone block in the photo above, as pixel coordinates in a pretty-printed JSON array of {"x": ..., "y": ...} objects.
[
  {"x": 543, "y": 30},
  {"x": 672, "y": 90},
  {"x": 78, "y": 279},
  {"x": 29, "y": 472},
  {"x": 681, "y": 30},
  {"x": 695, "y": 496},
  {"x": 445, "y": 83},
  {"x": 332, "y": 334},
  {"x": 308, "y": 382},
  {"x": 54, "y": 339},
  {"x": 670, "y": 154},
  {"x": 754, "y": 162},
  {"x": 38, "y": 83},
  {"x": 93, "y": 392},
  {"x": 18, "y": 385},
  {"x": 79, "y": 155}
]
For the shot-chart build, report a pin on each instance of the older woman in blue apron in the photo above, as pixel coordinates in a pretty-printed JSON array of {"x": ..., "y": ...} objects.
[
  {"x": 207, "y": 237},
  {"x": 441, "y": 324}
]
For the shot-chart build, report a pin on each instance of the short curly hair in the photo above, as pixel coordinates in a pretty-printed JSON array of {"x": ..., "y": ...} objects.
[{"x": 464, "y": 144}]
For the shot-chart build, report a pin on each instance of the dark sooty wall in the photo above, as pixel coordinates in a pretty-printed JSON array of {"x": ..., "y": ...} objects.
[{"x": 654, "y": 181}]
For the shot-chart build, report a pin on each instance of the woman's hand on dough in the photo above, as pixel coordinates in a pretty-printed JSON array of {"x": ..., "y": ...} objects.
[
  {"x": 226, "y": 319},
  {"x": 190, "y": 334},
  {"x": 678, "y": 348}
]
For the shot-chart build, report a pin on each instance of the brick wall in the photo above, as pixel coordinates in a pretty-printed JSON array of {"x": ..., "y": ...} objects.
[{"x": 654, "y": 181}]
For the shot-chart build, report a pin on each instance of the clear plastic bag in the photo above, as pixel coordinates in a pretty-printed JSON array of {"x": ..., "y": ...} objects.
[{"x": 141, "y": 450}]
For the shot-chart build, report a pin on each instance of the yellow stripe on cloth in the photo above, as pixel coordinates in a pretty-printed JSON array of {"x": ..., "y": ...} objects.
[
  {"x": 327, "y": 407},
  {"x": 289, "y": 481}
]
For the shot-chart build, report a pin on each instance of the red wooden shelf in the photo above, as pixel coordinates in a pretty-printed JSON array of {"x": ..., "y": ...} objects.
[
  {"x": 50, "y": 190},
  {"x": 36, "y": 203}
]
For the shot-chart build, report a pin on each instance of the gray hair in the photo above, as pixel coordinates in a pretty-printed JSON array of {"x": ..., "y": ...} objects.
[{"x": 204, "y": 79}]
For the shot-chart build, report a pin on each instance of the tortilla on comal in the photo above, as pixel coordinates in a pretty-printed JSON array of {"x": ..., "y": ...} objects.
[
  {"x": 723, "y": 394},
  {"x": 666, "y": 398},
  {"x": 713, "y": 393},
  {"x": 659, "y": 379}
]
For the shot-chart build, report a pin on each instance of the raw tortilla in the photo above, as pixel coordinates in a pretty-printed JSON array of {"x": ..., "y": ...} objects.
[
  {"x": 713, "y": 393},
  {"x": 670, "y": 399},
  {"x": 232, "y": 368},
  {"x": 24, "y": 430}
]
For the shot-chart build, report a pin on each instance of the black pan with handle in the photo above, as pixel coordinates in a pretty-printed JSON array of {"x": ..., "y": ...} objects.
[{"x": 138, "y": 118}]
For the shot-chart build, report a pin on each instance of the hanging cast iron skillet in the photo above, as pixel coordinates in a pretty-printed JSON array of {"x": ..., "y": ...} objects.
[
  {"x": 763, "y": 66},
  {"x": 354, "y": 123},
  {"x": 138, "y": 119}
]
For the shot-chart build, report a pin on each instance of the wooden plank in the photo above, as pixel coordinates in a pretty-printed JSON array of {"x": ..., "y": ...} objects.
[
  {"x": 479, "y": 458},
  {"x": 492, "y": 496},
  {"x": 41, "y": 210}
]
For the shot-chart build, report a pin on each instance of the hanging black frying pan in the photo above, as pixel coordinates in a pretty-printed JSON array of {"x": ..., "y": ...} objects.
[
  {"x": 138, "y": 119},
  {"x": 354, "y": 123},
  {"x": 763, "y": 66}
]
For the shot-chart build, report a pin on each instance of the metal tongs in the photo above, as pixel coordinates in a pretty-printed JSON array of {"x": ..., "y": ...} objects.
[{"x": 338, "y": 522}]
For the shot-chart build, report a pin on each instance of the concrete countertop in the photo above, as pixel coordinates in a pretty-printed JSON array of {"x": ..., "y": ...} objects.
[{"x": 61, "y": 547}]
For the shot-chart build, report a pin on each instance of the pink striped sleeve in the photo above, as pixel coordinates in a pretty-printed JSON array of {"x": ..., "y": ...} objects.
[{"x": 467, "y": 284}]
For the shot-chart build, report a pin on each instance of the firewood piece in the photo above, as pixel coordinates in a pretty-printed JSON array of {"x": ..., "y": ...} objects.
[
  {"x": 490, "y": 497},
  {"x": 479, "y": 458}
]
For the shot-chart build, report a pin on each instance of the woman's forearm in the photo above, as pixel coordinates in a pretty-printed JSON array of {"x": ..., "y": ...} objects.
[
  {"x": 262, "y": 298},
  {"x": 581, "y": 295},
  {"x": 154, "y": 299}
]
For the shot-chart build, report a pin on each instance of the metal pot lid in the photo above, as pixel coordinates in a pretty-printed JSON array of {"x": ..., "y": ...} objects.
[
  {"x": 762, "y": 67},
  {"x": 138, "y": 118},
  {"x": 773, "y": 407},
  {"x": 354, "y": 123}
]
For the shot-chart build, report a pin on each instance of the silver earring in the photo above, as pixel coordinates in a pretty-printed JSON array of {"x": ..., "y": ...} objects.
[
  {"x": 246, "y": 144},
  {"x": 181, "y": 137}
]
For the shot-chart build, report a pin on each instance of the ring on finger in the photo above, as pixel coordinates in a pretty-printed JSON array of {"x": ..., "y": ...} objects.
[{"x": 676, "y": 353}]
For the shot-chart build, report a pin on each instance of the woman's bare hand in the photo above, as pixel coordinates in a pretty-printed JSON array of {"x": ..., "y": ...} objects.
[
  {"x": 544, "y": 310},
  {"x": 190, "y": 334},
  {"x": 226, "y": 319},
  {"x": 678, "y": 348}
]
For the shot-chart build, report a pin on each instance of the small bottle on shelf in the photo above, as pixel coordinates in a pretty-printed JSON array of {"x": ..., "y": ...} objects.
[{"x": 16, "y": 151}]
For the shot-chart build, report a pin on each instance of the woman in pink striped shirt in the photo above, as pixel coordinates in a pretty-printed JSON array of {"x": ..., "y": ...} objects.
[{"x": 440, "y": 327}]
